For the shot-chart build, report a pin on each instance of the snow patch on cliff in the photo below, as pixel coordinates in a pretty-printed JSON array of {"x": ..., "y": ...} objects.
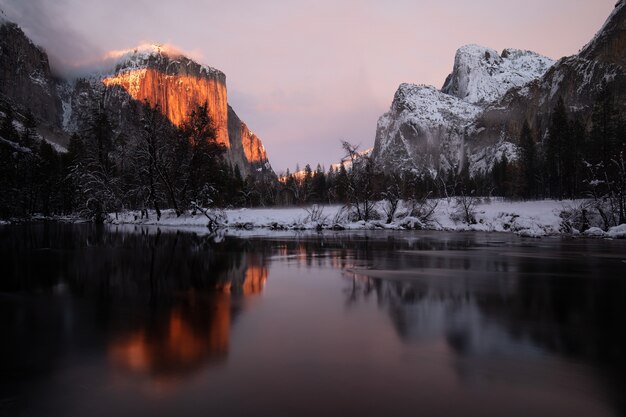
[
  {"x": 143, "y": 55},
  {"x": 424, "y": 129}
]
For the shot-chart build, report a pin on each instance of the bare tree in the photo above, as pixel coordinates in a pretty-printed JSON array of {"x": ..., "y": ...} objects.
[{"x": 360, "y": 182}]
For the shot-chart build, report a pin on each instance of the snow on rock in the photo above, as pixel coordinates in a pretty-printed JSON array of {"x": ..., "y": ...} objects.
[
  {"x": 617, "y": 232},
  {"x": 143, "y": 56},
  {"x": 482, "y": 76},
  {"x": 594, "y": 232},
  {"x": 424, "y": 130}
]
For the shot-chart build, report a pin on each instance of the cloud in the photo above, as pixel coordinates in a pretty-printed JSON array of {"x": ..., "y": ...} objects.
[{"x": 44, "y": 22}]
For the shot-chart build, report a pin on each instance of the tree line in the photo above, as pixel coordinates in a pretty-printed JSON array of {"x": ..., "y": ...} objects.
[
  {"x": 183, "y": 168},
  {"x": 106, "y": 171}
]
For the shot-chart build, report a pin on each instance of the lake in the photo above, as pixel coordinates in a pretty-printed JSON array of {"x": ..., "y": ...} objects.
[{"x": 127, "y": 321}]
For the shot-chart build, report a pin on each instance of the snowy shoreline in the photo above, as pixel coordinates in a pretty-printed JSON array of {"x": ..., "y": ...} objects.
[{"x": 527, "y": 219}]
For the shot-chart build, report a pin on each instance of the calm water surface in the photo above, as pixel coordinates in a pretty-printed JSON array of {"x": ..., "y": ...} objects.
[{"x": 124, "y": 322}]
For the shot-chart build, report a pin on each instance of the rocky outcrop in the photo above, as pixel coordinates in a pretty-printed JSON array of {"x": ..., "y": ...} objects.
[
  {"x": 244, "y": 142},
  {"x": 609, "y": 44},
  {"x": 176, "y": 84},
  {"x": 25, "y": 76},
  {"x": 423, "y": 130}
]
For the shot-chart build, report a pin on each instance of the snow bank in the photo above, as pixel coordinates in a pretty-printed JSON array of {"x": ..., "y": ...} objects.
[
  {"x": 529, "y": 219},
  {"x": 617, "y": 232}
]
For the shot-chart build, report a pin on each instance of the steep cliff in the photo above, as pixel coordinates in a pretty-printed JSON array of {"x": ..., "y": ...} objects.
[
  {"x": 175, "y": 84},
  {"x": 243, "y": 141},
  {"x": 153, "y": 74},
  {"x": 25, "y": 76},
  {"x": 423, "y": 130}
]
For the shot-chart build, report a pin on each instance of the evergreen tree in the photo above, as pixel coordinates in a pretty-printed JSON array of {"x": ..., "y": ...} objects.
[
  {"x": 7, "y": 129},
  {"x": 203, "y": 163},
  {"x": 557, "y": 140},
  {"x": 528, "y": 163},
  {"x": 30, "y": 130}
]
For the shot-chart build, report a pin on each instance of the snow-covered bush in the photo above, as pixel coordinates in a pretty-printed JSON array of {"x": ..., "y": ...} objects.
[{"x": 465, "y": 209}]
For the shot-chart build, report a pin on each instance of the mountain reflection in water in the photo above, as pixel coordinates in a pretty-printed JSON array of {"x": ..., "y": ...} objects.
[{"x": 127, "y": 321}]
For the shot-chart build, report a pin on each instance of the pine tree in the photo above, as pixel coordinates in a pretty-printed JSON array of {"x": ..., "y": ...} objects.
[
  {"x": 203, "y": 163},
  {"x": 528, "y": 180},
  {"x": 557, "y": 140},
  {"x": 7, "y": 129}
]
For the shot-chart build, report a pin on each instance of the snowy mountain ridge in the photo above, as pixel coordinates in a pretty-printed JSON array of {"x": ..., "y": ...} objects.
[
  {"x": 482, "y": 76},
  {"x": 425, "y": 129},
  {"x": 146, "y": 55}
]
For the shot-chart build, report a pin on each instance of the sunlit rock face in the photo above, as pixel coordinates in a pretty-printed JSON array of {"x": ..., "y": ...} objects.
[
  {"x": 177, "y": 95},
  {"x": 178, "y": 85}
]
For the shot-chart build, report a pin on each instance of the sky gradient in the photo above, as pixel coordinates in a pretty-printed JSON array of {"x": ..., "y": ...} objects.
[{"x": 306, "y": 74}]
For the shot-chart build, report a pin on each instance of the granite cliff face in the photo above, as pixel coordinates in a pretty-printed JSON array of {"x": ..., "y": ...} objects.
[
  {"x": 149, "y": 74},
  {"x": 25, "y": 76},
  {"x": 178, "y": 85},
  {"x": 175, "y": 83},
  {"x": 242, "y": 140},
  {"x": 423, "y": 130}
]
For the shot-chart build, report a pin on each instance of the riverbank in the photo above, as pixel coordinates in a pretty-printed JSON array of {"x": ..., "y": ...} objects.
[{"x": 526, "y": 218}]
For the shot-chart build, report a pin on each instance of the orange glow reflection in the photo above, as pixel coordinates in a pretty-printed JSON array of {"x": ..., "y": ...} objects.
[
  {"x": 195, "y": 331},
  {"x": 181, "y": 344}
]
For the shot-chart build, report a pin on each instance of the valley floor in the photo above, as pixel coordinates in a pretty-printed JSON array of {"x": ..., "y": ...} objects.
[{"x": 526, "y": 218}]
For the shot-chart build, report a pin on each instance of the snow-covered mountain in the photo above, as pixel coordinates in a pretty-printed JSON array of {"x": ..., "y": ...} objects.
[
  {"x": 480, "y": 111},
  {"x": 425, "y": 129}
]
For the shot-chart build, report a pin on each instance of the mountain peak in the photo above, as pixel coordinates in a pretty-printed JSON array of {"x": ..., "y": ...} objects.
[
  {"x": 164, "y": 57},
  {"x": 481, "y": 75},
  {"x": 609, "y": 44}
]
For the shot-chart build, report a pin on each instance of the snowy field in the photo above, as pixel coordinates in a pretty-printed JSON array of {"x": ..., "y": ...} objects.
[{"x": 529, "y": 219}]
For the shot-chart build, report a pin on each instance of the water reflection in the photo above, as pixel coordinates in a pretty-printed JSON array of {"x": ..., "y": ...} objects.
[
  {"x": 164, "y": 302},
  {"x": 506, "y": 310},
  {"x": 473, "y": 323}
]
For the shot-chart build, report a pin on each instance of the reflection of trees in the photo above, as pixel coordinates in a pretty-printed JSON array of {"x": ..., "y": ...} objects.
[
  {"x": 165, "y": 302},
  {"x": 573, "y": 308},
  {"x": 560, "y": 301}
]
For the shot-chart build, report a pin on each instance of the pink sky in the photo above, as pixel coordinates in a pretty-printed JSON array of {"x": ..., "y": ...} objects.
[{"x": 306, "y": 74}]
